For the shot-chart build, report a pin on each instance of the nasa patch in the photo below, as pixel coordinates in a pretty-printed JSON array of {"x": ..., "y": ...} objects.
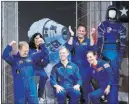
[
  {"x": 21, "y": 62},
  {"x": 109, "y": 29}
]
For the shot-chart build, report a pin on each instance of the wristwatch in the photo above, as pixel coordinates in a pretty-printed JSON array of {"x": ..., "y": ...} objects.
[{"x": 71, "y": 36}]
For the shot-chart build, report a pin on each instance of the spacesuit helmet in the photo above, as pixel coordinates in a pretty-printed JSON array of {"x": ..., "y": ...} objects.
[{"x": 112, "y": 13}]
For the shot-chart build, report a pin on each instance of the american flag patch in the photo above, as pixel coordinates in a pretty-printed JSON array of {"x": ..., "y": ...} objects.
[
  {"x": 106, "y": 65},
  {"x": 99, "y": 69}
]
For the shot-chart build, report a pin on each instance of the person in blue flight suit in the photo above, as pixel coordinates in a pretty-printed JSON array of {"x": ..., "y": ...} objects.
[
  {"x": 103, "y": 74},
  {"x": 39, "y": 69},
  {"x": 112, "y": 42},
  {"x": 79, "y": 46},
  {"x": 65, "y": 79},
  {"x": 23, "y": 71}
]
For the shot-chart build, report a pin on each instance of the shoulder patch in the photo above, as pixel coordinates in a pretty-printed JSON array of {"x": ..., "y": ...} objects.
[
  {"x": 99, "y": 69},
  {"x": 106, "y": 65}
]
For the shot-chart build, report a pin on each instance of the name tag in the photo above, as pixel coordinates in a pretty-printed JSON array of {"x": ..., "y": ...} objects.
[
  {"x": 28, "y": 60},
  {"x": 84, "y": 43},
  {"x": 70, "y": 67},
  {"x": 106, "y": 65}
]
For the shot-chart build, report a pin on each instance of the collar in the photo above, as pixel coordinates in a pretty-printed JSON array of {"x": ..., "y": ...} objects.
[
  {"x": 81, "y": 40},
  {"x": 98, "y": 62},
  {"x": 94, "y": 66},
  {"x": 69, "y": 63},
  {"x": 18, "y": 54}
]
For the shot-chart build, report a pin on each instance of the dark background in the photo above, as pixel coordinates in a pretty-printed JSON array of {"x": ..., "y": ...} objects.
[{"x": 63, "y": 12}]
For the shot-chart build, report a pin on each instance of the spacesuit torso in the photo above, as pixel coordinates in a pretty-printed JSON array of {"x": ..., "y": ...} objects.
[{"x": 111, "y": 36}]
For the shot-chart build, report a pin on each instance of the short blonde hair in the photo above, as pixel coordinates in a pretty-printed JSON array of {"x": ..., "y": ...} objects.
[
  {"x": 22, "y": 43},
  {"x": 63, "y": 47}
]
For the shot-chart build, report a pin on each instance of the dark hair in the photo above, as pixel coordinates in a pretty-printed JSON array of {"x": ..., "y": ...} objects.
[
  {"x": 31, "y": 42},
  {"x": 92, "y": 51},
  {"x": 82, "y": 25}
]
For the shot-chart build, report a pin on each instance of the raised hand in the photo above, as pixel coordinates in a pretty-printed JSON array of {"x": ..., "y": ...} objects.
[
  {"x": 41, "y": 41},
  {"x": 12, "y": 43},
  {"x": 71, "y": 31},
  {"x": 93, "y": 32}
]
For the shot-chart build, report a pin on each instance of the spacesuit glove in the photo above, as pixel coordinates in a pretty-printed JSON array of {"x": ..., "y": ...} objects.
[
  {"x": 59, "y": 88},
  {"x": 77, "y": 87},
  {"x": 107, "y": 90}
]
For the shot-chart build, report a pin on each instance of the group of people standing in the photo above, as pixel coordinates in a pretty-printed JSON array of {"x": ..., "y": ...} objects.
[{"x": 71, "y": 77}]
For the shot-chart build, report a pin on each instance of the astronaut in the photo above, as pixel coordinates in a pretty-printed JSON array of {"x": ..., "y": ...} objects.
[
  {"x": 112, "y": 42},
  {"x": 103, "y": 74},
  {"x": 79, "y": 46},
  {"x": 55, "y": 35},
  {"x": 39, "y": 68},
  {"x": 23, "y": 71},
  {"x": 65, "y": 79}
]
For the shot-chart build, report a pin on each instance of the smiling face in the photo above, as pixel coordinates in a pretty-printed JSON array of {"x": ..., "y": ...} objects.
[
  {"x": 91, "y": 58},
  {"x": 81, "y": 31},
  {"x": 23, "y": 49},
  {"x": 36, "y": 42},
  {"x": 63, "y": 54}
]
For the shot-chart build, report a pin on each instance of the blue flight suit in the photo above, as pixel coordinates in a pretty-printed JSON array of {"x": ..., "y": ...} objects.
[
  {"x": 104, "y": 75},
  {"x": 23, "y": 75},
  {"x": 79, "y": 58},
  {"x": 112, "y": 42},
  {"x": 67, "y": 78},
  {"x": 39, "y": 70}
]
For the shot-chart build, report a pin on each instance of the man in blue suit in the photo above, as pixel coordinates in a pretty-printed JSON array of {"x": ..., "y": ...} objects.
[
  {"x": 65, "y": 79},
  {"x": 79, "y": 45}
]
